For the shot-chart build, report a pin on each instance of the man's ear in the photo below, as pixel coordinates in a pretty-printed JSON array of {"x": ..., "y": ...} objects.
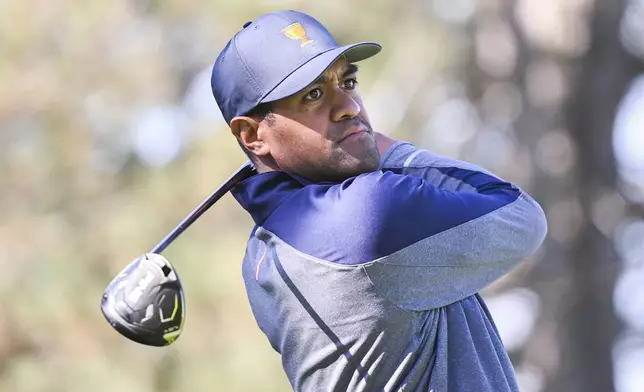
[{"x": 246, "y": 130}]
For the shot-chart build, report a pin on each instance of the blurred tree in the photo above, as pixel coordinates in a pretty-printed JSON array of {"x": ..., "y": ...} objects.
[
  {"x": 571, "y": 82},
  {"x": 589, "y": 327},
  {"x": 573, "y": 340}
]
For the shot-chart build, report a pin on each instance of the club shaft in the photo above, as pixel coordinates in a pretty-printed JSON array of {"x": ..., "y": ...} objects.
[{"x": 241, "y": 174}]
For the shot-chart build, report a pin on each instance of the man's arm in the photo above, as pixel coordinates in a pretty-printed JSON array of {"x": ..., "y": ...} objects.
[
  {"x": 442, "y": 229},
  {"x": 384, "y": 143},
  {"x": 428, "y": 231}
]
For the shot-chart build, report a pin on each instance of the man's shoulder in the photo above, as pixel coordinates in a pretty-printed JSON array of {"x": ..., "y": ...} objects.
[
  {"x": 358, "y": 196},
  {"x": 359, "y": 220}
]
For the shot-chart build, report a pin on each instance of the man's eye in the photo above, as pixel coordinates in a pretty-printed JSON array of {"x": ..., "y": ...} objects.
[
  {"x": 350, "y": 84},
  {"x": 314, "y": 94}
]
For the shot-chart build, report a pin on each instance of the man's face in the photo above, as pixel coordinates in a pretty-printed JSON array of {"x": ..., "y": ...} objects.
[{"x": 322, "y": 133}]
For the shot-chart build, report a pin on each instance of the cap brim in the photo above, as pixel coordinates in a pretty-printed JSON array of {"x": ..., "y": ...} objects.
[{"x": 311, "y": 70}]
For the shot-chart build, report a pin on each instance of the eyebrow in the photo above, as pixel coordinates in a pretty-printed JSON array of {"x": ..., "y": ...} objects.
[{"x": 348, "y": 70}]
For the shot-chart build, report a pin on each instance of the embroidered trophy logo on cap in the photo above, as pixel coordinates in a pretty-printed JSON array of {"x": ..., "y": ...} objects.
[{"x": 297, "y": 31}]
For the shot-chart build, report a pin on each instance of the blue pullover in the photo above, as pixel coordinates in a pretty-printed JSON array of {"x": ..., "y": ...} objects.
[{"x": 372, "y": 284}]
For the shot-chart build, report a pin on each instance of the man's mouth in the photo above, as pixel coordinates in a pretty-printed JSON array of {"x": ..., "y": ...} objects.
[
  {"x": 354, "y": 135},
  {"x": 356, "y": 131}
]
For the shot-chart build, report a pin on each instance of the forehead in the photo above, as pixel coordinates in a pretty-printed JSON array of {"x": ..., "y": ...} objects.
[
  {"x": 341, "y": 68},
  {"x": 338, "y": 66}
]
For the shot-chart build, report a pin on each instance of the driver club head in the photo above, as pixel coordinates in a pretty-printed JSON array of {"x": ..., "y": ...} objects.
[{"x": 145, "y": 302}]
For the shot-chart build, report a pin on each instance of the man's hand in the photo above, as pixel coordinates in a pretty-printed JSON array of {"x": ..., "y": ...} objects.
[{"x": 383, "y": 142}]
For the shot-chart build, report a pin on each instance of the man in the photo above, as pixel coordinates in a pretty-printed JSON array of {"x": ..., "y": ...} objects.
[{"x": 367, "y": 255}]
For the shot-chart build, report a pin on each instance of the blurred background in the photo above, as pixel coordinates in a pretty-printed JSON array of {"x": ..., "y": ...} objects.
[{"x": 109, "y": 136}]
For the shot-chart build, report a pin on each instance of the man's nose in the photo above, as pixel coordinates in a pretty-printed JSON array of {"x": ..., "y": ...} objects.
[{"x": 345, "y": 106}]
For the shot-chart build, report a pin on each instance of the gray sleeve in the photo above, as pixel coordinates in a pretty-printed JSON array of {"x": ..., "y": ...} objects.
[{"x": 459, "y": 262}]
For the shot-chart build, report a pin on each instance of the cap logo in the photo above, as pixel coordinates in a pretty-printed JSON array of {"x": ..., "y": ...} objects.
[{"x": 296, "y": 31}]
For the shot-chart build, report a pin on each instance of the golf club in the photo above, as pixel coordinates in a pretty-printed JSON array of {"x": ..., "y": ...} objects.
[{"x": 145, "y": 302}]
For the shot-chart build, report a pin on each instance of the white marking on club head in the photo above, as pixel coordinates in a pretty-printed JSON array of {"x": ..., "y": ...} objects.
[
  {"x": 143, "y": 284},
  {"x": 149, "y": 312}
]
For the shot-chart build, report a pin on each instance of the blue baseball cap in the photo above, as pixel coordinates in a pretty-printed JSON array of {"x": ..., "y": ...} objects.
[{"x": 274, "y": 57}]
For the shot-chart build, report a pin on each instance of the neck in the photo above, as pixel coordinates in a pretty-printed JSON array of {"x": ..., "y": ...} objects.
[{"x": 265, "y": 164}]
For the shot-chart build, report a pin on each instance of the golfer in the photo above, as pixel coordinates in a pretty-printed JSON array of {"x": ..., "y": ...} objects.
[{"x": 367, "y": 257}]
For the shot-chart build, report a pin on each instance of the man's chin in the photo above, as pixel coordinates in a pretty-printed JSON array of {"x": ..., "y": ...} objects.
[
  {"x": 367, "y": 164},
  {"x": 362, "y": 155}
]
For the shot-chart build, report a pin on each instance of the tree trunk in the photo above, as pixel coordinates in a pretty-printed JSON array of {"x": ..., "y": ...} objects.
[{"x": 589, "y": 328}]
